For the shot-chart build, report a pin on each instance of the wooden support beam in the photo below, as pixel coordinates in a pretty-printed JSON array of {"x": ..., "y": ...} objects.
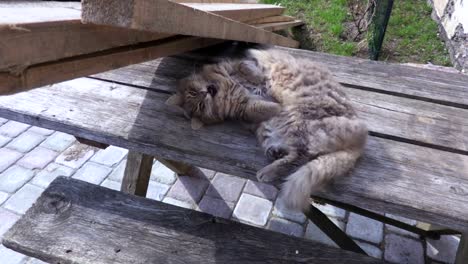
[
  {"x": 271, "y": 19},
  {"x": 66, "y": 69},
  {"x": 38, "y": 32},
  {"x": 182, "y": 168},
  {"x": 462, "y": 252},
  {"x": 137, "y": 173},
  {"x": 169, "y": 17}
]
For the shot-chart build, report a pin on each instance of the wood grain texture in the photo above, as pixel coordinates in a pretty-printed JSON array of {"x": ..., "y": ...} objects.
[
  {"x": 66, "y": 69},
  {"x": 174, "y": 18},
  {"x": 239, "y": 12},
  {"x": 56, "y": 31},
  {"x": 442, "y": 126},
  {"x": 271, "y": 19},
  {"x": 403, "y": 80},
  {"x": 182, "y": 168},
  {"x": 404, "y": 179},
  {"x": 137, "y": 173},
  {"x": 78, "y": 222}
]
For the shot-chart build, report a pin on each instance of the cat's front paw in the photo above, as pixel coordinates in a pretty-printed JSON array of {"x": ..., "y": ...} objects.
[
  {"x": 267, "y": 174},
  {"x": 276, "y": 153}
]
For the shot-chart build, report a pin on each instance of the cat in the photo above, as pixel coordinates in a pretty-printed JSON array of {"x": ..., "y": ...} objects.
[{"x": 303, "y": 120}]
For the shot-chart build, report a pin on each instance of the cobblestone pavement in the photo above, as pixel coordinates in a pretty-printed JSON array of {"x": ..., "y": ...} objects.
[{"x": 32, "y": 157}]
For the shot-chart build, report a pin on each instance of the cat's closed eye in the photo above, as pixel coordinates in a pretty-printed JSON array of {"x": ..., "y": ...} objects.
[{"x": 212, "y": 89}]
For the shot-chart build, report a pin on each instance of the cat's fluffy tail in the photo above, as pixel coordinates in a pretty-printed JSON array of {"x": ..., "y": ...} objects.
[{"x": 314, "y": 175}]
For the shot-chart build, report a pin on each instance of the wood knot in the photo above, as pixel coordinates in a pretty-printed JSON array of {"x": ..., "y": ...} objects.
[
  {"x": 56, "y": 203},
  {"x": 458, "y": 190}
]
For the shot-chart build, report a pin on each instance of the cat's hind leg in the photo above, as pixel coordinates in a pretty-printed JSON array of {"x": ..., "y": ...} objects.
[{"x": 279, "y": 168}]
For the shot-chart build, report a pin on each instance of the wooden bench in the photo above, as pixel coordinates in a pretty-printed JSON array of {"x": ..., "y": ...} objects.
[
  {"x": 414, "y": 164},
  {"x": 78, "y": 222}
]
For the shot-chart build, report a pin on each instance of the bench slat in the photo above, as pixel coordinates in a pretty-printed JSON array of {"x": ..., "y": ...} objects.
[
  {"x": 395, "y": 177},
  {"x": 427, "y": 123},
  {"x": 78, "y": 222}
]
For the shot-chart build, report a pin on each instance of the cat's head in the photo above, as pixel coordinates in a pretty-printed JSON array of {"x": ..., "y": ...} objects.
[{"x": 202, "y": 95}]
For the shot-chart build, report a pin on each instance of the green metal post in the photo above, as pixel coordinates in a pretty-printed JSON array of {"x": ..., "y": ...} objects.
[{"x": 381, "y": 10}]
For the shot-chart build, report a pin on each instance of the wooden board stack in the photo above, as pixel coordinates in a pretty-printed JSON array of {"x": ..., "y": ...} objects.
[{"x": 49, "y": 42}]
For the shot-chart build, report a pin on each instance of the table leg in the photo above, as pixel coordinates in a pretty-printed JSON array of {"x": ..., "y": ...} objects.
[
  {"x": 137, "y": 173},
  {"x": 181, "y": 168},
  {"x": 462, "y": 252}
]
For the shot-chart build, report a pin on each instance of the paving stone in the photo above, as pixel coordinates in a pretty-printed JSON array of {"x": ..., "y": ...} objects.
[
  {"x": 76, "y": 155},
  {"x": 23, "y": 199},
  {"x": 280, "y": 210},
  {"x": 118, "y": 173},
  {"x": 226, "y": 187},
  {"x": 42, "y": 131},
  {"x": 399, "y": 249},
  {"x": 8, "y": 157},
  {"x": 58, "y": 141},
  {"x": 38, "y": 158},
  {"x": 371, "y": 250},
  {"x": 7, "y": 220},
  {"x": 331, "y": 210},
  {"x": 14, "y": 178},
  {"x": 365, "y": 228},
  {"x": 260, "y": 189},
  {"x": 13, "y": 129},
  {"x": 286, "y": 227},
  {"x": 216, "y": 207},
  {"x": 92, "y": 172},
  {"x": 188, "y": 205},
  {"x": 252, "y": 209},
  {"x": 156, "y": 190},
  {"x": 444, "y": 249},
  {"x": 26, "y": 141},
  {"x": 400, "y": 231},
  {"x": 3, "y": 120},
  {"x": 113, "y": 185},
  {"x": 110, "y": 156},
  {"x": 9, "y": 256},
  {"x": 162, "y": 174},
  {"x": 4, "y": 140},
  {"x": 208, "y": 173},
  {"x": 314, "y": 233},
  {"x": 3, "y": 197},
  {"x": 49, "y": 173},
  {"x": 188, "y": 189}
]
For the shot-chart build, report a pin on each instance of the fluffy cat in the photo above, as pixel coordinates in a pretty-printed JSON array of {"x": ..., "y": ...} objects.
[{"x": 302, "y": 118}]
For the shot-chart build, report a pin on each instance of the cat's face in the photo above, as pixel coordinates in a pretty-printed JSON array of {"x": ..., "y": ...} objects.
[{"x": 203, "y": 96}]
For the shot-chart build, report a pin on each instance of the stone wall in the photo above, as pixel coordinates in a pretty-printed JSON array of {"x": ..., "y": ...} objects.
[{"x": 452, "y": 16}]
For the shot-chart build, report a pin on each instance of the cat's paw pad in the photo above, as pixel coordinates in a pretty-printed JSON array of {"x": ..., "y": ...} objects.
[{"x": 275, "y": 153}]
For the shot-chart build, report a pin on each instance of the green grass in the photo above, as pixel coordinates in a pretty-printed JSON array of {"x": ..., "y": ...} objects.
[
  {"x": 411, "y": 34},
  {"x": 326, "y": 19}
]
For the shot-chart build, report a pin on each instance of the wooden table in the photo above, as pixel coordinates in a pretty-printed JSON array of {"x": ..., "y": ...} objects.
[{"x": 416, "y": 160}]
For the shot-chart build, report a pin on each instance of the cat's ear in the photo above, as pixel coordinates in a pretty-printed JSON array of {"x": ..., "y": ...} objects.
[
  {"x": 175, "y": 100},
  {"x": 196, "y": 123}
]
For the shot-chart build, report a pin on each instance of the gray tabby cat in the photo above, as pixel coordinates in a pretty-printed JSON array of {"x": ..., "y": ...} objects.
[{"x": 302, "y": 119}]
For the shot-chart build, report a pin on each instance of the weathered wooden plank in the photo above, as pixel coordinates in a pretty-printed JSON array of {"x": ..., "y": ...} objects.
[
  {"x": 428, "y": 123},
  {"x": 239, "y": 12},
  {"x": 276, "y": 26},
  {"x": 66, "y": 69},
  {"x": 137, "y": 173},
  {"x": 422, "y": 183},
  {"x": 409, "y": 81},
  {"x": 271, "y": 19},
  {"x": 170, "y": 17},
  {"x": 78, "y": 222},
  {"x": 57, "y": 32}
]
